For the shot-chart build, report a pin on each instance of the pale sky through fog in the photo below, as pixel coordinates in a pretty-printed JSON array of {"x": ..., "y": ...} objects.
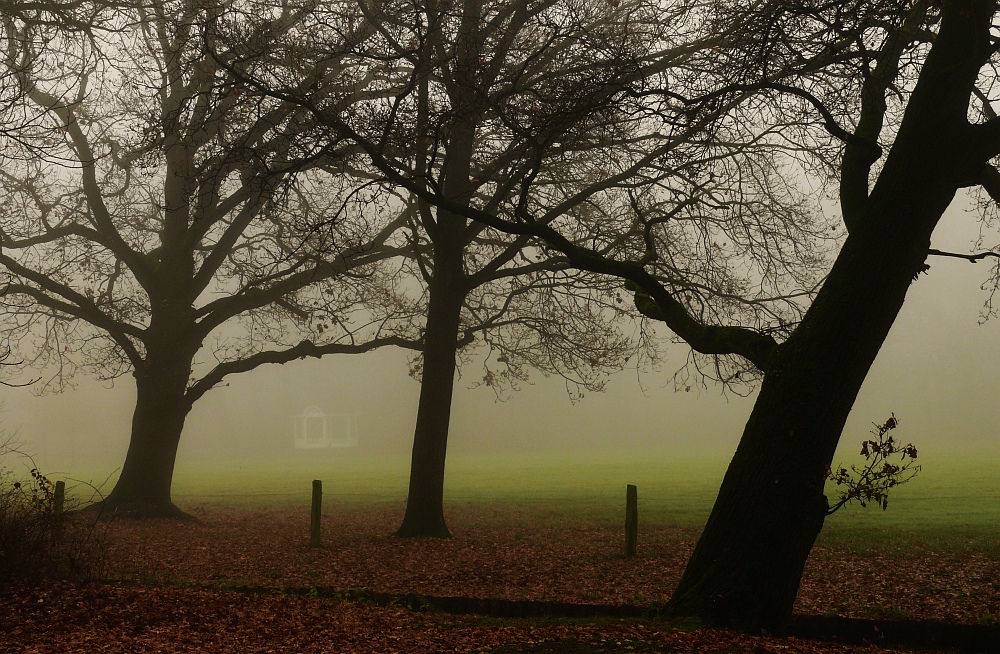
[{"x": 936, "y": 372}]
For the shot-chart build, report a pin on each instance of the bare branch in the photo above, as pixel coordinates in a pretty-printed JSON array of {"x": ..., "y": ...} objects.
[
  {"x": 301, "y": 351},
  {"x": 972, "y": 258}
]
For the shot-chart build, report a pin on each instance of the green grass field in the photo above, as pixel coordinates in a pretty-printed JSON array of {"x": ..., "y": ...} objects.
[{"x": 954, "y": 503}]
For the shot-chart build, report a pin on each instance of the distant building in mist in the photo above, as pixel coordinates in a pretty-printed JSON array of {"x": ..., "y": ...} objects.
[{"x": 317, "y": 430}]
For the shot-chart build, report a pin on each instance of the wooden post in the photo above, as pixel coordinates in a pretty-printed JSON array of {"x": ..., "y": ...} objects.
[
  {"x": 631, "y": 520},
  {"x": 317, "y": 513},
  {"x": 59, "y": 499},
  {"x": 58, "y": 506}
]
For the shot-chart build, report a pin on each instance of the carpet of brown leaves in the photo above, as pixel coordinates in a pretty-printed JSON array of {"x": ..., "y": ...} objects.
[
  {"x": 127, "y": 619},
  {"x": 185, "y": 570}
]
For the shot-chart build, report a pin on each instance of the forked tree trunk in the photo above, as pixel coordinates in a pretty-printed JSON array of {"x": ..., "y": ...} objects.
[
  {"x": 746, "y": 568},
  {"x": 143, "y": 488},
  {"x": 425, "y": 499}
]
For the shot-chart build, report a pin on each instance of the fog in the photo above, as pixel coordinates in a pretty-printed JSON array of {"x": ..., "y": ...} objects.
[{"x": 936, "y": 373}]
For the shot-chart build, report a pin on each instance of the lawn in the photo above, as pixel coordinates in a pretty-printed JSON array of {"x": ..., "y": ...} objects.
[
  {"x": 952, "y": 505},
  {"x": 954, "y": 502}
]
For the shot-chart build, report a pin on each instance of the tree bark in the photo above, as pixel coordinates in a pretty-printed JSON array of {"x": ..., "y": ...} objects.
[
  {"x": 745, "y": 570},
  {"x": 425, "y": 500},
  {"x": 143, "y": 488}
]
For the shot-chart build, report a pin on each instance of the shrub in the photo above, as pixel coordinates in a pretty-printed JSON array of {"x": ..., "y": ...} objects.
[{"x": 37, "y": 540}]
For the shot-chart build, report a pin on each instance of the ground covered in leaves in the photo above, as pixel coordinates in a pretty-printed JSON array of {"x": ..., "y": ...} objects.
[
  {"x": 178, "y": 583},
  {"x": 108, "y": 618}
]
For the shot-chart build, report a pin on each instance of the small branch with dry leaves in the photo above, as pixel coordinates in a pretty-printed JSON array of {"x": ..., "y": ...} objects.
[{"x": 871, "y": 482}]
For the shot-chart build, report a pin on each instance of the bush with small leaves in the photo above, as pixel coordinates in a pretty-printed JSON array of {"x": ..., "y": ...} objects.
[{"x": 870, "y": 483}]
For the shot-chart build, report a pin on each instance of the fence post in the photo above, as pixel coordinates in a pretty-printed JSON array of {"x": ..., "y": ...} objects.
[
  {"x": 317, "y": 513},
  {"x": 59, "y": 499},
  {"x": 58, "y": 506},
  {"x": 631, "y": 520}
]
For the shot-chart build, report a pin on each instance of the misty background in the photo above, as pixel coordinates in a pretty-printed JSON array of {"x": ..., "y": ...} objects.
[{"x": 936, "y": 372}]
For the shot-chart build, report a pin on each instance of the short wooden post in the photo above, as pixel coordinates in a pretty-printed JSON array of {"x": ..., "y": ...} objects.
[
  {"x": 317, "y": 513},
  {"x": 59, "y": 499},
  {"x": 631, "y": 520},
  {"x": 58, "y": 506}
]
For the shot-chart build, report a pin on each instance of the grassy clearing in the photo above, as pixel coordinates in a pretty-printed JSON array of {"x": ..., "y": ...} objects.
[
  {"x": 954, "y": 503},
  {"x": 590, "y": 489}
]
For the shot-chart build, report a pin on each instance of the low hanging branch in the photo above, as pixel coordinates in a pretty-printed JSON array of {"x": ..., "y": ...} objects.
[{"x": 871, "y": 482}]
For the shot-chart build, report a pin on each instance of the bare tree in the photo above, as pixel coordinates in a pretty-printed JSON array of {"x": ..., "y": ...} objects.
[
  {"x": 172, "y": 231},
  {"x": 426, "y": 81}
]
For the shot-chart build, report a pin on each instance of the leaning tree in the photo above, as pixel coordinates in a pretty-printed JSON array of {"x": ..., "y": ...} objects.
[
  {"x": 426, "y": 81},
  {"x": 173, "y": 227},
  {"x": 746, "y": 101},
  {"x": 906, "y": 94}
]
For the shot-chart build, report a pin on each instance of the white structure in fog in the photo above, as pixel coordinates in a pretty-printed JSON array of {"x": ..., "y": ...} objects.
[{"x": 317, "y": 430}]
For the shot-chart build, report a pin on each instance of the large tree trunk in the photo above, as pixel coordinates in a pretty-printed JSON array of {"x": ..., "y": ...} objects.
[
  {"x": 746, "y": 568},
  {"x": 143, "y": 488},
  {"x": 425, "y": 500}
]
